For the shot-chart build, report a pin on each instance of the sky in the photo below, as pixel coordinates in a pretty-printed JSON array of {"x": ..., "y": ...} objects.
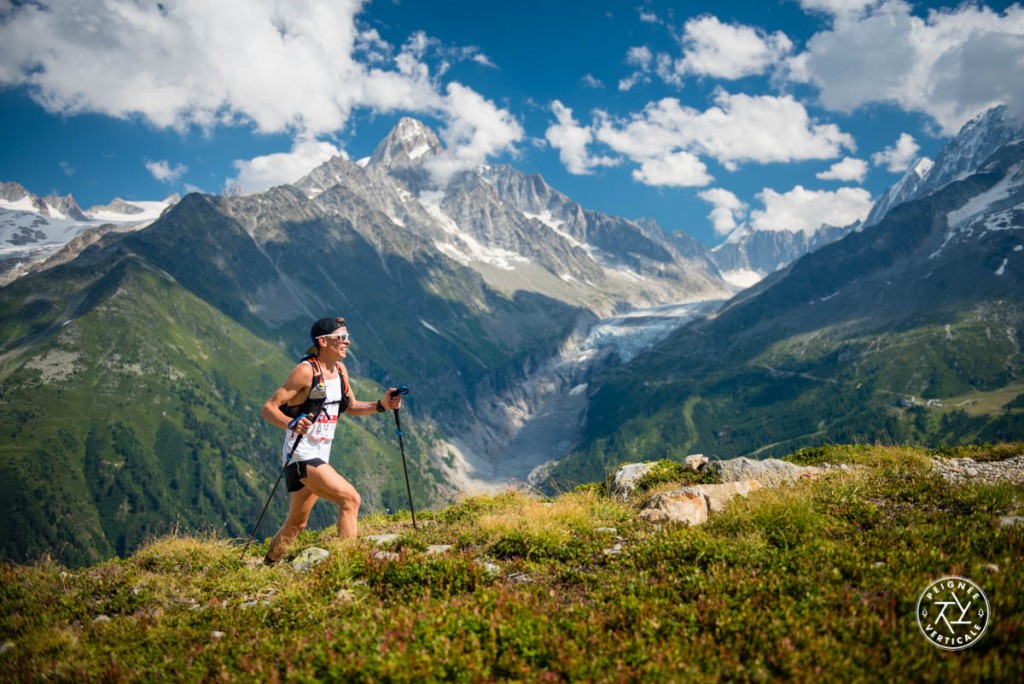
[{"x": 702, "y": 115}]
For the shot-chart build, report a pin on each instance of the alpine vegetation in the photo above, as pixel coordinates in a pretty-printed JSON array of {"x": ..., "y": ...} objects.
[{"x": 817, "y": 577}]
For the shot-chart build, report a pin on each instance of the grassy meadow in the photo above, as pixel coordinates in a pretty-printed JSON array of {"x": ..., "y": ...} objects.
[{"x": 813, "y": 582}]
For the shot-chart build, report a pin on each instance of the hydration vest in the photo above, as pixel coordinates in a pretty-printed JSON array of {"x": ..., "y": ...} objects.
[{"x": 317, "y": 397}]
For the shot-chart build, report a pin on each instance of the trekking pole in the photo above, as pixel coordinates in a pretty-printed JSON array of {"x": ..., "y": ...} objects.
[
  {"x": 287, "y": 462},
  {"x": 403, "y": 390}
]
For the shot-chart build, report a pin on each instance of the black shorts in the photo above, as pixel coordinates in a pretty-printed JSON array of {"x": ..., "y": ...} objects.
[{"x": 295, "y": 472}]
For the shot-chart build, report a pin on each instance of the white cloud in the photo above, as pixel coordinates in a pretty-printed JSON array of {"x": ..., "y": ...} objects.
[
  {"x": 261, "y": 173},
  {"x": 572, "y": 140},
  {"x": 591, "y": 81},
  {"x": 950, "y": 65},
  {"x": 899, "y": 157},
  {"x": 728, "y": 209},
  {"x": 300, "y": 66},
  {"x": 649, "y": 17},
  {"x": 729, "y": 51},
  {"x": 739, "y": 128},
  {"x": 675, "y": 169},
  {"x": 480, "y": 130},
  {"x": 836, "y": 7},
  {"x": 806, "y": 210},
  {"x": 847, "y": 170},
  {"x": 164, "y": 172},
  {"x": 668, "y": 141},
  {"x": 640, "y": 58}
]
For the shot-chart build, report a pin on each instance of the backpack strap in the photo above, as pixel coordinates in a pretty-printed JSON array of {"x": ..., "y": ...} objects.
[{"x": 312, "y": 404}]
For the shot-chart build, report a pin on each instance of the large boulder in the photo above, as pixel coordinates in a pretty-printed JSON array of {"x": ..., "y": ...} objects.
[
  {"x": 719, "y": 495},
  {"x": 624, "y": 481},
  {"x": 693, "y": 505},
  {"x": 683, "y": 505},
  {"x": 770, "y": 472}
]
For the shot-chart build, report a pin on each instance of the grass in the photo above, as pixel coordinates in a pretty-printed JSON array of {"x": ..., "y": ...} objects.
[{"x": 818, "y": 581}]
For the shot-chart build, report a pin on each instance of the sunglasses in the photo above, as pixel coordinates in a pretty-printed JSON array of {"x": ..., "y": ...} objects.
[{"x": 342, "y": 337}]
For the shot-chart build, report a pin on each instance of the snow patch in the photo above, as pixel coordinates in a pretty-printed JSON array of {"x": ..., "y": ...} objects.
[
  {"x": 1002, "y": 268},
  {"x": 631, "y": 333},
  {"x": 464, "y": 248},
  {"x": 419, "y": 151},
  {"x": 978, "y": 204},
  {"x": 23, "y": 204},
  {"x": 429, "y": 327},
  {"x": 555, "y": 225},
  {"x": 742, "y": 277}
]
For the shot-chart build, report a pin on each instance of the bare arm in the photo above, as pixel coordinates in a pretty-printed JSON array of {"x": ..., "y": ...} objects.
[
  {"x": 365, "y": 408},
  {"x": 293, "y": 391}
]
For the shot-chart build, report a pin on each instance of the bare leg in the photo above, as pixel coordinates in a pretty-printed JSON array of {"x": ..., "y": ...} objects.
[
  {"x": 324, "y": 481},
  {"x": 299, "y": 507}
]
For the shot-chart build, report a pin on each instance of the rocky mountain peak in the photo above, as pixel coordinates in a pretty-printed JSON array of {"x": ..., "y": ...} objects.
[
  {"x": 962, "y": 156},
  {"x": 409, "y": 141},
  {"x": 12, "y": 192}
]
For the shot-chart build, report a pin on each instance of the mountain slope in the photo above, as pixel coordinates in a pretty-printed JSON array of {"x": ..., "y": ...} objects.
[
  {"x": 131, "y": 407},
  {"x": 41, "y": 232},
  {"x": 910, "y": 330},
  {"x": 132, "y": 338}
]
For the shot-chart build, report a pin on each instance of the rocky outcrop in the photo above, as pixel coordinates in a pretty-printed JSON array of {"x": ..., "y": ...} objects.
[
  {"x": 693, "y": 505},
  {"x": 961, "y": 470},
  {"x": 771, "y": 472}
]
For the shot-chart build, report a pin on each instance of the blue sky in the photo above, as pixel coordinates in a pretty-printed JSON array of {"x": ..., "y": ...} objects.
[{"x": 701, "y": 115}]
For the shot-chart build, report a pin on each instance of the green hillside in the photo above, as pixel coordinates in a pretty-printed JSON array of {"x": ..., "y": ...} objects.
[
  {"x": 814, "y": 582},
  {"x": 139, "y": 414},
  {"x": 833, "y": 386},
  {"x": 890, "y": 335}
]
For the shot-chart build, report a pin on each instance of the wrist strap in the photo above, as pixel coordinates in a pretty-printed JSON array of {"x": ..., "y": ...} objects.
[{"x": 380, "y": 407}]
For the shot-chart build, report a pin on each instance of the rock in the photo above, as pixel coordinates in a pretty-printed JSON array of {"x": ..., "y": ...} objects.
[
  {"x": 960, "y": 470},
  {"x": 309, "y": 557},
  {"x": 382, "y": 539},
  {"x": 625, "y": 478},
  {"x": 696, "y": 462},
  {"x": 771, "y": 472},
  {"x": 606, "y": 530},
  {"x": 719, "y": 495},
  {"x": 435, "y": 549},
  {"x": 693, "y": 505},
  {"x": 491, "y": 568},
  {"x": 217, "y": 635},
  {"x": 385, "y": 555},
  {"x": 100, "y": 619},
  {"x": 684, "y": 505},
  {"x": 614, "y": 551},
  {"x": 6, "y": 646},
  {"x": 1011, "y": 520}
]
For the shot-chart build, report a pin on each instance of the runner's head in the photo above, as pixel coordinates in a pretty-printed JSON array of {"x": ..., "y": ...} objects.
[{"x": 324, "y": 326}]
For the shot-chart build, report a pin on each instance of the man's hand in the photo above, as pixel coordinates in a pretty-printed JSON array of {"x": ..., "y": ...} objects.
[
  {"x": 301, "y": 425},
  {"x": 392, "y": 399}
]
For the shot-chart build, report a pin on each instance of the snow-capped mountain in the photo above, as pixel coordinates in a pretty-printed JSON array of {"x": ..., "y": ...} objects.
[
  {"x": 903, "y": 190},
  {"x": 747, "y": 255},
  {"x": 511, "y": 227},
  {"x": 959, "y": 158},
  {"x": 409, "y": 141},
  {"x": 36, "y": 229}
]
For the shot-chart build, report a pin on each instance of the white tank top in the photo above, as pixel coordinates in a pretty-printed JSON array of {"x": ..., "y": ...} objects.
[{"x": 317, "y": 442}]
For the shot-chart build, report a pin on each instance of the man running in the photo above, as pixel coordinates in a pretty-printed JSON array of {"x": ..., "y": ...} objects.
[{"x": 318, "y": 386}]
